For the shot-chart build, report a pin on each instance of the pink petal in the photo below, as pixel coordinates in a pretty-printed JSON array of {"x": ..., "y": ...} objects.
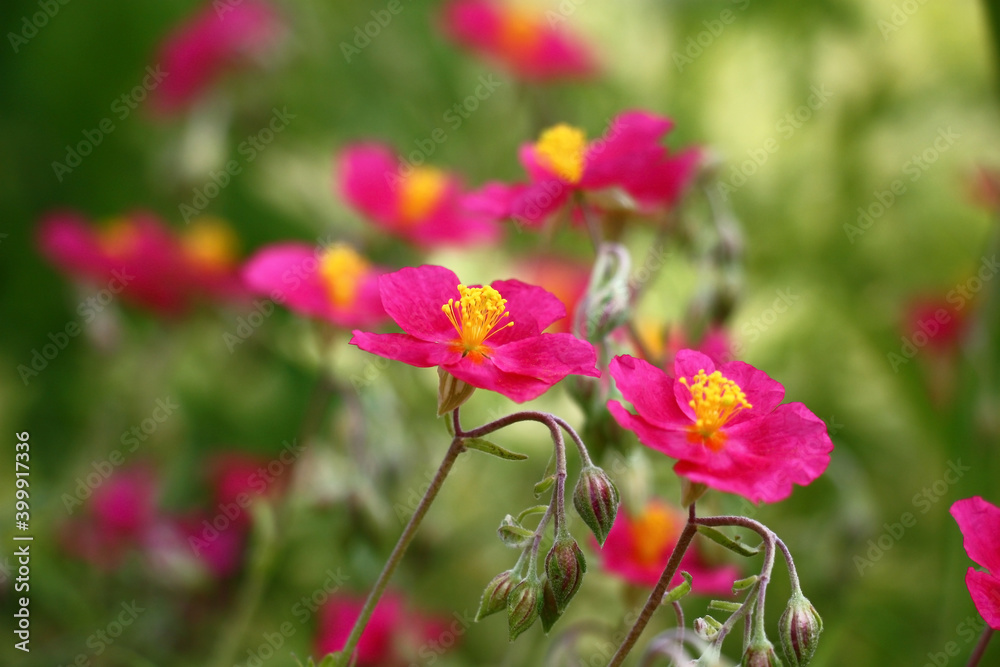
[
  {"x": 762, "y": 392},
  {"x": 288, "y": 273},
  {"x": 548, "y": 357},
  {"x": 485, "y": 375},
  {"x": 669, "y": 441},
  {"x": 405, "y": 348},
  {"x": 537, "y": 201},
  {"x": 414, "y": 298},
  {"x": 532, "y": 309},
  {"x": 368, "y": 177},
  {"x": 687, "y": 364},
  {"x": 985, "y": 592},
  {"x": 649, "y": 390},
  {"x": 980, "y": 524}
]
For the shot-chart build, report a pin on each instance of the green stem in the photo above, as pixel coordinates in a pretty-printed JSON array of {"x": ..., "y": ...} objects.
[
  {"x": 656, "y": 597},
  {"x": 980, "y": 650},
  {"x": 403, "y": 543}
]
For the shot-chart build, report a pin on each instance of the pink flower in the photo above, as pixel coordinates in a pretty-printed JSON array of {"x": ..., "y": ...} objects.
[
  {"x": 979, "y": 522},
  {"x": 237, "y": 479},
  {"x": 421, "y": 204},
  {"x": 489, "y": 337},
  {"x": 334, "y": 283},
  {"x": 639, "y": 547},
  {"x": 723, "y": 424},
  {"x": 524, "y": 42},
  {"x": 391, "y": 638},
  {"x": 629, "y": 162},
  {"x": 220, "y": 37},
  {"x": 140, "y": 257}
]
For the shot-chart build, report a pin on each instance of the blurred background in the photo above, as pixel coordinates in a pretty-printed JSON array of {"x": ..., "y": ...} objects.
[{"x": 851, "y": 142}]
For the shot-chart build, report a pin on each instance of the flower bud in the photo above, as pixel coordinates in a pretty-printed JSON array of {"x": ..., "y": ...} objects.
[
  {"x": 523, "y": 606},
  {"x": 760, "y": 653},
  {"x": 799, "y": 628},
  {"x": 564, "y": 566},
  {"x": 452, "y": 392},
  {"x": 550, "y": 611},
  {"x": 596, "y": 501},
  {"x": 495, "y": 595}
]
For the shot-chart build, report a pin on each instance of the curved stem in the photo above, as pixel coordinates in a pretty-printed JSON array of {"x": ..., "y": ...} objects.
[
  {"x": 584, "y": 454},
  {"x": 655, "y": 598},
  {"x": 980, "y": 650},
  {"x": 793, "y": 575},
  {"x": 402, "y": 544}
]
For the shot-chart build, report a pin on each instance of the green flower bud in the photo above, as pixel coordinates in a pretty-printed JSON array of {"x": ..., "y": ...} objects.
[
  {"x": 596, "y": 501},
  {"x": 495, "y": 595},
  {"x": 550, "y": 611},
  {"x": 799, "y": 629},
  {"x": 523, "y": 606},
  {"x": 760, "y": 653},
  {"x": 564, "y": 566}
]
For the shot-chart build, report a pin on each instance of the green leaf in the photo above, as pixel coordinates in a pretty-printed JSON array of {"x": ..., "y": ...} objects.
[
  {"x": 544, "y": 485},
  {"x": 513, "y": 534},
  {"x": 678, "y": 591},
  {"x": 721, "y": 538},
  {"x": 493, "y": 449},
  {"x": 724, "y": 605},
  {"x": 537, "y": 509}
]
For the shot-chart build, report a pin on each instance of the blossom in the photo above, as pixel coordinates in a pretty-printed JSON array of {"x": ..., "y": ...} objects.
[
  {"x": 216, "y": 39},
  {"x": 422, "y": 204},
  {"x": 138, "y": 256},
  {"x": 526, "y": 43},
  {"x": 334, "y": 283},
  {"x": 392, "y": 636},
  {"x": 979, "y": 522},
  {"x": 628, "y": 165},
  {"x": 723, "y": 423},
  {"x": 638, "y": 548},
  {"x": 488, "y": 337}
]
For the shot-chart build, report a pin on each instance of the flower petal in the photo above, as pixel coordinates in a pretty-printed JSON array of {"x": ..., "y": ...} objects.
[
  {"x": 485, "y": 375},
  {"x": 980, "y": 525},
  {"x": 366, "y": 173},
  {"x": 532, "y": 309},
  {"x": 762, "y": 392},
  {"x": 405, "y": 348},
  {"x": 985, "y": 592},
  {"x": 669, "y": 441},
  {"x": 649, "y": 390},
  {"x": 414, "y": 297},
  {"x": 548, "y": 357}
]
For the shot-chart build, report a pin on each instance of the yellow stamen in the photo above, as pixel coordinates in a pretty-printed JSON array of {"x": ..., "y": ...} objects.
[
  {"x": 715, "y": 400},
  {"x": 342, "y": 270},
  {"x": 422, "y": 189},
  {"x": 561, "y": 148},
  {"x": 211, "y": 242},
  {"x": 476, "y": 317},
  {"x": 118, "y": 237},
  {"x": 653, "y": 534},
  {"x": 520, "y": 32}
]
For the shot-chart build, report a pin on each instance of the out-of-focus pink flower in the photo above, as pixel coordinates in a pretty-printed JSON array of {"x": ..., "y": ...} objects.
[
  {"x": 422, "y": 204},
  {"x": 525, "y": 43},
  {"x": 139, "y": 257},
  {"x": 723, "y": 424},
  {"x": 986, "y": 188},
  {"x": 638, "y": 548},
  {"x": 629, "y": 165},
  {"x": 937, "y": 322},
  {"x": 979, "y": 522},
  {"x": 237, "y": 479},
  {"x": 393, "y": 634},
  {"x": 489, "y": 337},
  {"x": 334, "y": 284},
  {"x": 566, "y": 278},
  {"x": 221, "y": 37}
]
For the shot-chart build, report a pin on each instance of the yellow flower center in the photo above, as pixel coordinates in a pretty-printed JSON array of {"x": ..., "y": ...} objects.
[
  {"x": 561, "y": 148},
  {"x": 342, "y": 270},
  {"x": 422, "y": 189},
  {"x": 520, "y": 32},
  {"x": 210, "y": 242},
  {"x": 476, "y": 317},
  {"x": 715, "y": 400},
  {"x": 653, "y": 534},
  {"x": 118, "y": 238}
]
